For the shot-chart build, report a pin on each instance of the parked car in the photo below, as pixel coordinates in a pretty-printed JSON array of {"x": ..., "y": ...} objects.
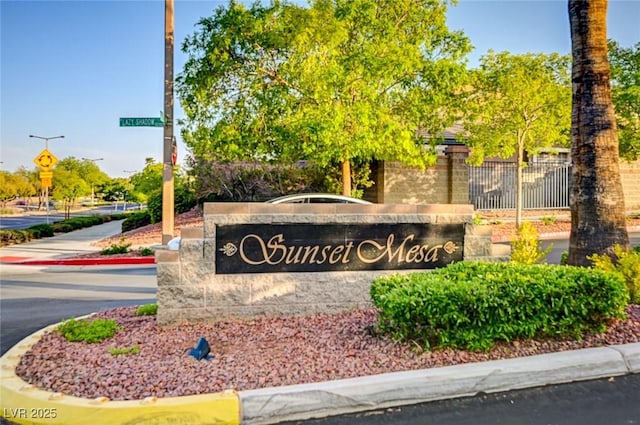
[
  {"x": 298, "y": 198},
  {"x": 317, "y": 198}
]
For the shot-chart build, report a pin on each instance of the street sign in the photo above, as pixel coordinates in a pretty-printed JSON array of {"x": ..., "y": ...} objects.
[
  {"x": 141, "y": 122},
  {"x": 45, "y": 160},
  {"x": 46, "y": 178}
]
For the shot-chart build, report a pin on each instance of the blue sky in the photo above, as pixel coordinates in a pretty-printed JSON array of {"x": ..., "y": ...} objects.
[{"x": 73, "y": 68}]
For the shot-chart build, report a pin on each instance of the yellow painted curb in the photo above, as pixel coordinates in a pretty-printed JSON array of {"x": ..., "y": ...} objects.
[{"x": 23, "y": 403}]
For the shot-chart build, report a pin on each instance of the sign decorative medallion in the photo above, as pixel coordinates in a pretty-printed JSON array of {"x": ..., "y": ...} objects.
[{"x": 259, "y": 248}]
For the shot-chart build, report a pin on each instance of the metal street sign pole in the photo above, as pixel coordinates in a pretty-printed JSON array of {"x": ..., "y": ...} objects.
[{"x": 167, "y": 167}]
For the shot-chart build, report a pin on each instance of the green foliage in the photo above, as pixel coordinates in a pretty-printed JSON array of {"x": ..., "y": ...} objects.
[
  {"x": 564, "y": 257},
  {"x": 42, "y": 231},
  {"x": 337, "y": 82},
  {"x": 549, "y": 220},
  {"x": 525, "y": 247},
  {"x": 9, "y": 237},
  {"x": 147, "y": 310},
  {"x": 146, "y": 251},
  {"x": 86, "y": 330},
  {"x": 133, "y": 350},
  {"x": 136, "y": 220},
  {"x": 626, "y": 263},
  {"x": 474, "y": 305},
  {"x": 625, "y": 81},
  {"x": 477, "y": 220},
  {"x": 117, "y": 248},
  {"x": 154, "y": 206}
]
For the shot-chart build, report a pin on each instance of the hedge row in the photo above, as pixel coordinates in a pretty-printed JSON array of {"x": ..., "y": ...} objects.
[
  {"x": 11, "y": 237},
  {"x": 474, "y": 305}
]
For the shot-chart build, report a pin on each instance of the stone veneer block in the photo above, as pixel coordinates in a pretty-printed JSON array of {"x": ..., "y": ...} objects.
[
  {"x": 396, "y": 209},
  {"x": 189, "y": 289},
  {"x": 181, "y": 296},
  {"x": 476, "y": 230},
  {"x": 191, "y": 250},
  {"x": 192, "y": 233},
  {"x": 166, "y": 256},
  {"x": 221, "y": 294},
  {"x": 272, "y": 290},
  {"x": 262, "y": 208},
  {"x": 225, "y": 208}
]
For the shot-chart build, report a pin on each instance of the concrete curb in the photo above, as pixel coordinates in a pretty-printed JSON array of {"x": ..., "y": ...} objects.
[
  {"x": 113, "y": 261},
  {"x": 23, "y": 403},
  {"x": 302, "y": 402}
]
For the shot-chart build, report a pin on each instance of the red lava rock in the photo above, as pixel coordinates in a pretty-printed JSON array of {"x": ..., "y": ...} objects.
[{"x": 253, "y": 354}]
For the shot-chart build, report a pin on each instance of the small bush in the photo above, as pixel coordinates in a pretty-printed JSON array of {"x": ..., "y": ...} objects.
[
  {"x": 90, "y": 331},
  {"x": 41, "y": 231},
  {"x": 146, "y": 251},
  {"x": 114, "y": 351},
  {"x": 525, "y": 247},
  {"x": 549, "y": 220},
  {"x": 147, "y": 310},
  {"x": 119, "y": 248},
  {"x": 626, "y": 264},
  {"x": 136, "y": 220},
  {"x": 474, "y": 305}
]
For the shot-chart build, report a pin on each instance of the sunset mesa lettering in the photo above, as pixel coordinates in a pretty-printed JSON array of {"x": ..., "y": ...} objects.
[{"x": 275, "y": 251}]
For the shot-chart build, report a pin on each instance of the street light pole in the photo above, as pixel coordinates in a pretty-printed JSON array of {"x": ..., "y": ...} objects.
[
  {"x": 46, "y": 147},
  {"x": 92, "y": 160}
]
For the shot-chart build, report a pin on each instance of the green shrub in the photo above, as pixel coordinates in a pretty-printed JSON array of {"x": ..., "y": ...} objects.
[
  {"x": 119, "y": 248},
  {"x": 147, "y": 310},
  {"x": 564, "y": 257},
  {"x": 44, "y": 230},
  {"x": 525, "y": 247},
  {"x": 626, "y": 264},
  {"x": 474, "y": 305},
  {"x": 85, "y": 330},
  {"x": 146, "y": 251},
  {"x": 548, "y": 220},
  {"x": 136, "y": 220},
  {"x": 114, "y": 351}
]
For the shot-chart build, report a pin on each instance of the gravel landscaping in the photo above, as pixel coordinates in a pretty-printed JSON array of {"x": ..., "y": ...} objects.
[{"x": 249, "y": 354}]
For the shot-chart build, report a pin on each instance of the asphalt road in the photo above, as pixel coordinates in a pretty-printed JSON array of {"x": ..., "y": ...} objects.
[
  {"x": 34, "y": 297},
  {"x": 22, "y": 221},
  {"x": 613, "y": 401}
]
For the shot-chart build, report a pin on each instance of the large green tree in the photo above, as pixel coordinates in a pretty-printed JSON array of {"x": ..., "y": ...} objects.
[
  {"x": 518, "y": 104},
  {"x": 625, "y": 88},
  {"x": 597, "y": 200},
  {"x": 337, "y": 82}
]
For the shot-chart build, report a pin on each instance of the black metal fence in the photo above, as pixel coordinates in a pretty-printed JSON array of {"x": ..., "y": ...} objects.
[{"x": 545, "y": 185}]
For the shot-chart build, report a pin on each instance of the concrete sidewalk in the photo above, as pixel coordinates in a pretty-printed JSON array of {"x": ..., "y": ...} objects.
[{"x": 61, "y": 249}]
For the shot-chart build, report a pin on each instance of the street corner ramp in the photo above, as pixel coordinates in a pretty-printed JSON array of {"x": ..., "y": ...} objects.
[{"x": 23, "y": 403}]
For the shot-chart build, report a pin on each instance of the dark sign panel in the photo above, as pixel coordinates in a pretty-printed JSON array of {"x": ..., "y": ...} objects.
[{"x": 265, "y": 248}]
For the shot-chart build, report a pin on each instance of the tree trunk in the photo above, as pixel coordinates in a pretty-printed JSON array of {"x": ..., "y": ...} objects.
[
  {"x": 597, "y": 200},
  {"x": 346, "y": 177},
  {"x": 519, "y": 164}
]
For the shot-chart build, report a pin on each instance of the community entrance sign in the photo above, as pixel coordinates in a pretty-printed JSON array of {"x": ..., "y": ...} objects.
[{"x": 277, "y": 248}]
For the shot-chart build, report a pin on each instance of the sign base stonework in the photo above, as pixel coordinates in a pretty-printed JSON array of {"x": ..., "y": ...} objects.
[{"x": 256, "y": 259}]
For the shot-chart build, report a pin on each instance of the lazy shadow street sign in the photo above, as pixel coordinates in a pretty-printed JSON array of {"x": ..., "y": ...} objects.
[{"x": 262, "y": 248}]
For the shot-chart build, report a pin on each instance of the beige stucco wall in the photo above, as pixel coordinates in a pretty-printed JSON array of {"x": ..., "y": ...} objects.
[{"x": 190, "y": 290}]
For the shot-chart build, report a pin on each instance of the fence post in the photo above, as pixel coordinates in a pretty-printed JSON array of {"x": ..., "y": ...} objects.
[{"x": 458, "y": 174}]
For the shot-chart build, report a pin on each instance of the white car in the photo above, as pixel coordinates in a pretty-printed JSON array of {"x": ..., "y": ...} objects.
[{"x": 317, "y": 198}]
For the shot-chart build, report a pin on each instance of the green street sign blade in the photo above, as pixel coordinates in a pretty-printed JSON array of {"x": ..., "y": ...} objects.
[{"x": 141, "y": 122}]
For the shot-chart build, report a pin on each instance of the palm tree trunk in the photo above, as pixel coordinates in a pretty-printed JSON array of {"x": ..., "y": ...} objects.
[{"x": 597, "y": 200}]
